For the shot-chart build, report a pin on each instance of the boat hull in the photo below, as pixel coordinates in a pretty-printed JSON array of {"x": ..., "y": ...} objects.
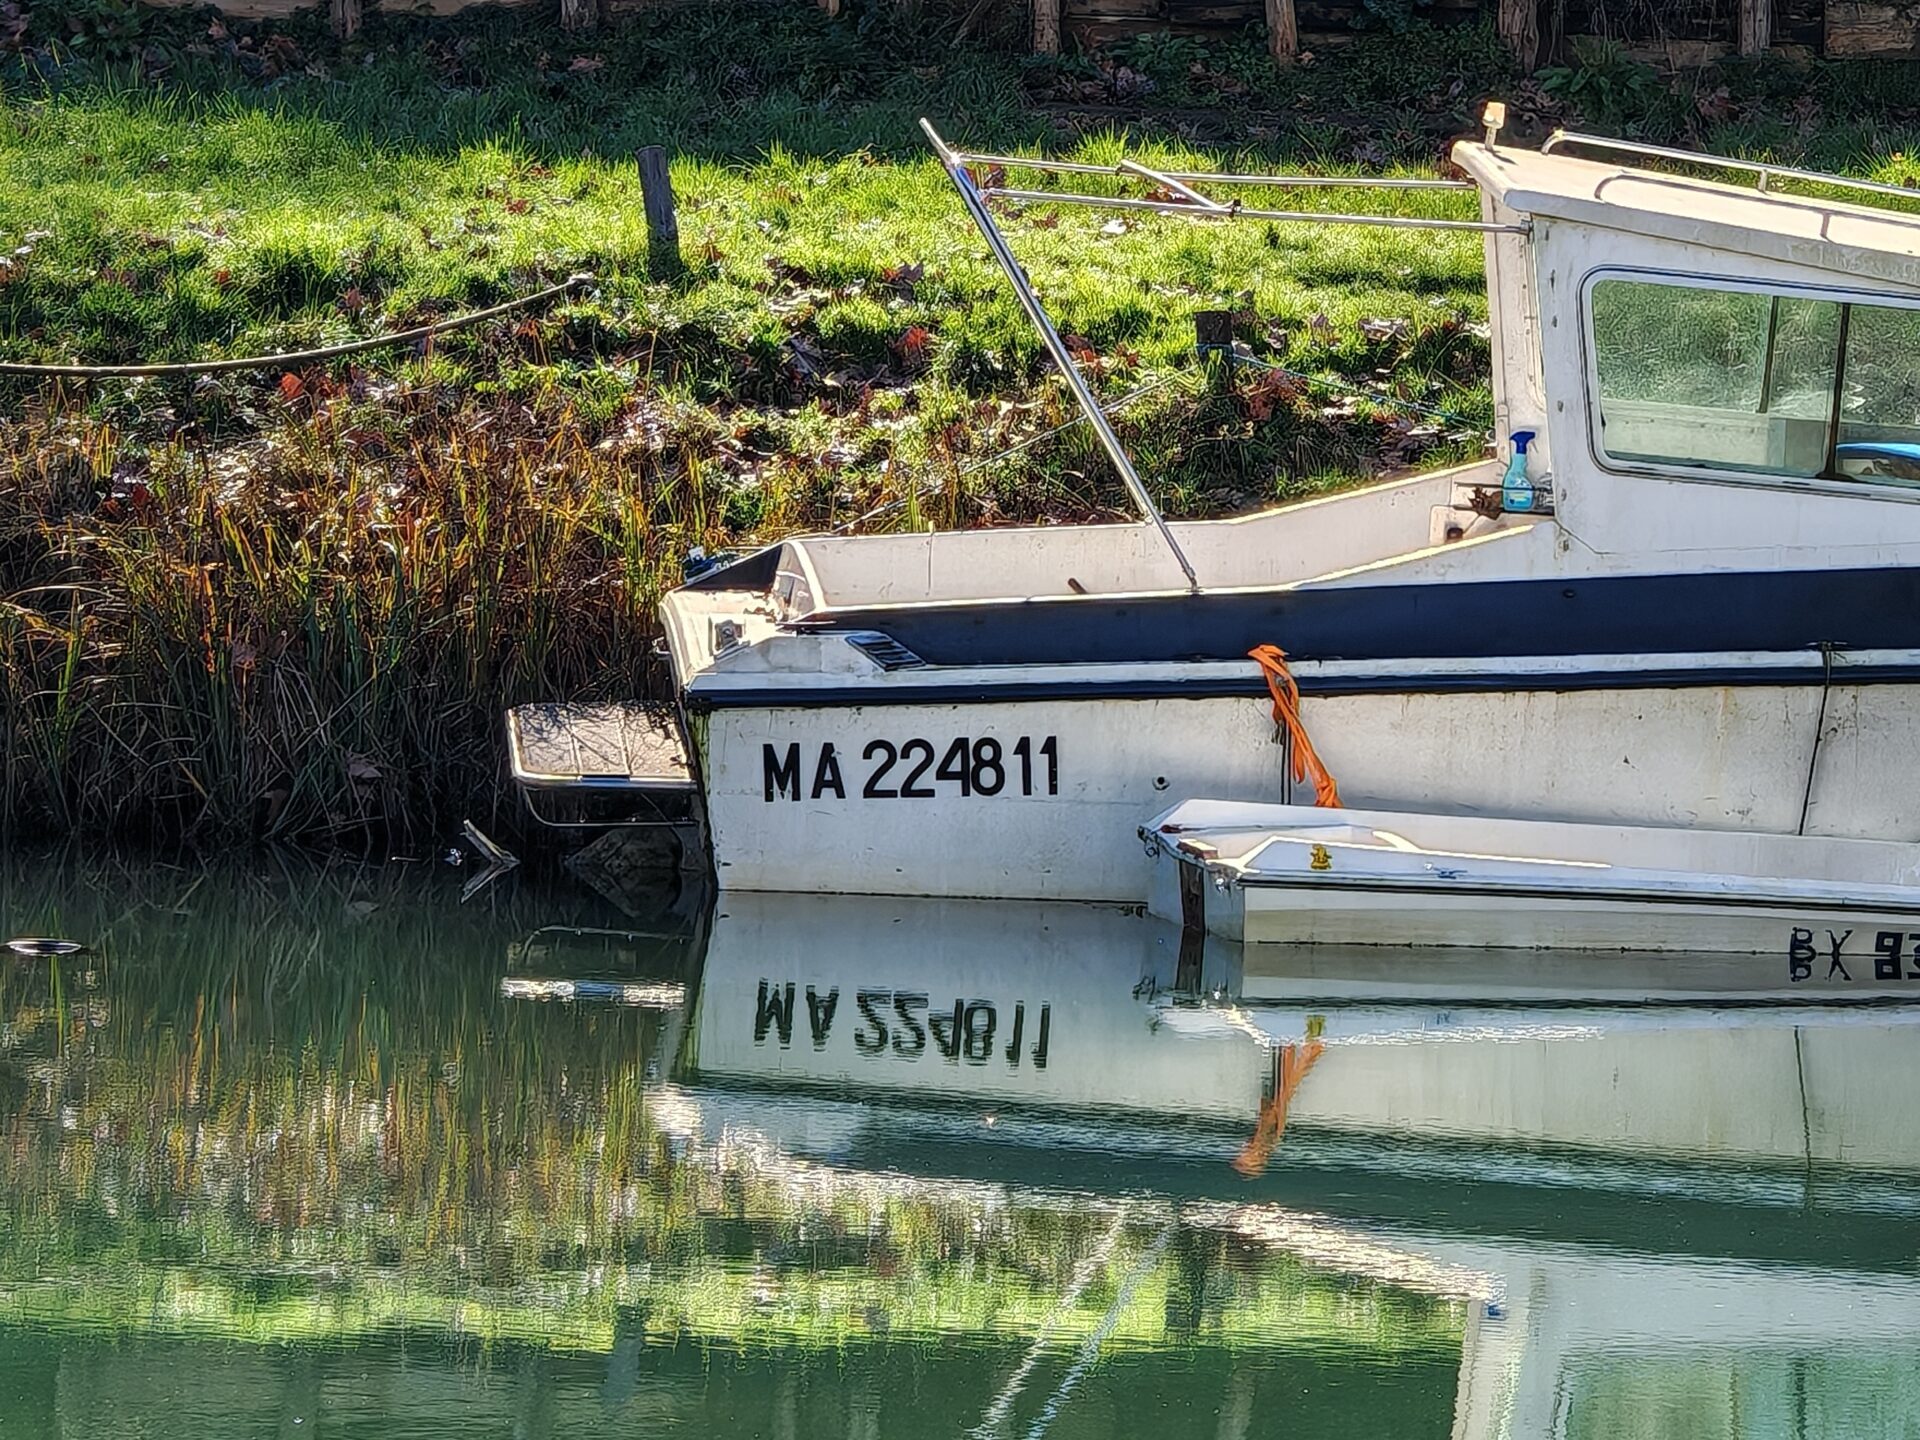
[
  {"x": 851, "y": 797},
  {"x": 1835, "y": 942}
]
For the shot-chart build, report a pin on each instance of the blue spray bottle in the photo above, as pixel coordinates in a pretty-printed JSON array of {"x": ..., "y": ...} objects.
[{"x": 1516, "y": 490}]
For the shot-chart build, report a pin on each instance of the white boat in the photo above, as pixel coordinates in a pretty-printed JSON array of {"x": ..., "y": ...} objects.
[
  {"x": 1303, "y": 875},
  {"x": 1708, "y": 615}
]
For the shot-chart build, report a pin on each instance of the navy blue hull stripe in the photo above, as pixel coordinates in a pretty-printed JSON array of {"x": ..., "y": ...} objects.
[
  {"x": 1028, "y": 692},
  {"x": 1700, "y": 614}
]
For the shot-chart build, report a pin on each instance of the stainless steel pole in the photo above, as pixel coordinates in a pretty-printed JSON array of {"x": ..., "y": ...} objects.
[
  {"x": 1173, "y": 183},
  {"x": 1023, "y": 289}
]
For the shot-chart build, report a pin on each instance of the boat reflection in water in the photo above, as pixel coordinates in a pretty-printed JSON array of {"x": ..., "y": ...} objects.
[
  {"x": 328, "y": 1153},
  {"x": 1669, "y": 1197}
]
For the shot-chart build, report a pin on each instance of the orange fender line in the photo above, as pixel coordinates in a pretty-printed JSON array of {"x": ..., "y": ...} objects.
[{"x": 1272, "y": 661}]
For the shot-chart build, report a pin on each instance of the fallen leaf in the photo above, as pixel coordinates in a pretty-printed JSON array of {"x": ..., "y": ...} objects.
[
  {"x": 912, "y": 346},
  {"x": 1268, "y": 394},
  {"x": 291, "y": 387}
]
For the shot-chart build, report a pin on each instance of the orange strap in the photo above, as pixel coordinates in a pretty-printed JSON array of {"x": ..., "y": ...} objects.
[{"x": 1286, "y": 712}]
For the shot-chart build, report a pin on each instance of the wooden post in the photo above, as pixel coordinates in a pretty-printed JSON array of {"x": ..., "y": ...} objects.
[
  {"x": 663, "y": 230},
  {"x": 1213, "y": 343},
  {"x": 1756, "y": 26},
  {"x": 579, "y": 14},
  {"x": 344, "y": 16},
  {"x": 1046, "y": 27},
  {"x": 1283, "y": 32},
  {"x": 1520, "y": 29}
]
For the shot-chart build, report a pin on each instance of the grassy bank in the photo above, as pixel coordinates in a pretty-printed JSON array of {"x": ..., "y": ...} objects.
[{"x": 291, "y": 603}]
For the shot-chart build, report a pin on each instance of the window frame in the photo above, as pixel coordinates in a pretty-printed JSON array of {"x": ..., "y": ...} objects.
[{"x": 1861, "y": 488}]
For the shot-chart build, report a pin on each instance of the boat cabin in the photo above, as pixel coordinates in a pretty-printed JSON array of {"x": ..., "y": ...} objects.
[{"x": 1707, "y": 365}]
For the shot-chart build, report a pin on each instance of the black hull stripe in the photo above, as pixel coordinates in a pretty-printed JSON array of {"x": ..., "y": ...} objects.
[
  {"x": 1498, "y": 890},
  {"x": 1024, "y": 692},
  {"x": 1706, "y": 613}
]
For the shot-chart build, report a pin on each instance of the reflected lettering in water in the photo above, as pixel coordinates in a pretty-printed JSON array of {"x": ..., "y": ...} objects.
[{"x": 326, "y": 1152}]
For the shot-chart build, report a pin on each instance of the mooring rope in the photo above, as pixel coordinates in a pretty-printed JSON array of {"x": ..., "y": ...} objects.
[
  {"x": 294, "y": 358},
  {"x": 1291, "y": 1065},
  {"x": 1272, "y": 661}
]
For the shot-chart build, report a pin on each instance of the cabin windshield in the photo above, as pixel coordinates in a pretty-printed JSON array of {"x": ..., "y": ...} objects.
[{"x": 1772, "y": 384}]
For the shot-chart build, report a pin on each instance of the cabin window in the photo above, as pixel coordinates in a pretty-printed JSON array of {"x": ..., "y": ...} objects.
[{"x": 1793, "y": 386}]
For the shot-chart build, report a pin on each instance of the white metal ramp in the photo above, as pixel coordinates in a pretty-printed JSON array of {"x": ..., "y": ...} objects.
[{"x": 602, "y": 749}]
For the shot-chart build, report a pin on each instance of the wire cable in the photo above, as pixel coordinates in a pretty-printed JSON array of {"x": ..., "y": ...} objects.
[{"x": 297, "y": 357}]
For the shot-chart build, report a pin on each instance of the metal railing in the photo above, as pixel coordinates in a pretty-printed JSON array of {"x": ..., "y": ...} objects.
[
  {"x": 1056, "y": 347},
  {"x": 1767, "y": 171},
  {"x": 1187, "y": 199},
  {"x": 1203, "y": 177}
]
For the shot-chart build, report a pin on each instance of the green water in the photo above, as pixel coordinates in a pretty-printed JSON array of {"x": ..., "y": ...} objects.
[{"x": 311, "y": 1152}]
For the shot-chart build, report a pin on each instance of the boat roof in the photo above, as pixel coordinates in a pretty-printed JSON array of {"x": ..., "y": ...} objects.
[{"x": 1861, "y": 242}]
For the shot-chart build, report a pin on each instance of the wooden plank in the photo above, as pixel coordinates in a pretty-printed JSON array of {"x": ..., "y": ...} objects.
[
  {"x": 1672, "y": 54},
  {"x": 1283, "y": 32},
  {"x": 1519, "y": 25},
  {"x": 1857, "y": 31},
  {"x": 1097, "y": 34},
  {"x": 1756, "y": 26},
  {"x": 1046, "y": 27}
]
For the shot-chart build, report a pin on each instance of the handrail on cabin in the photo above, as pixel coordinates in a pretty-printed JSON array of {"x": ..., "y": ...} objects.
[
  {"x": 1766, "y": 170},
  {"x": 1185, "y": 199}
]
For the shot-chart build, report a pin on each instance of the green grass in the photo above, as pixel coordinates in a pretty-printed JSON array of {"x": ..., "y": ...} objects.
[{"x": 294, "y": 605}]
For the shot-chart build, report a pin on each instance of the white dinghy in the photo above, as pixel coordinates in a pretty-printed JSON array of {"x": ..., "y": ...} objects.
[{"x": 1301, "y": 875}]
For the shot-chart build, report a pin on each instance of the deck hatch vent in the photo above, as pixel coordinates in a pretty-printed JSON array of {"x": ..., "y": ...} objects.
[{"x": 885, "y": 651}]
